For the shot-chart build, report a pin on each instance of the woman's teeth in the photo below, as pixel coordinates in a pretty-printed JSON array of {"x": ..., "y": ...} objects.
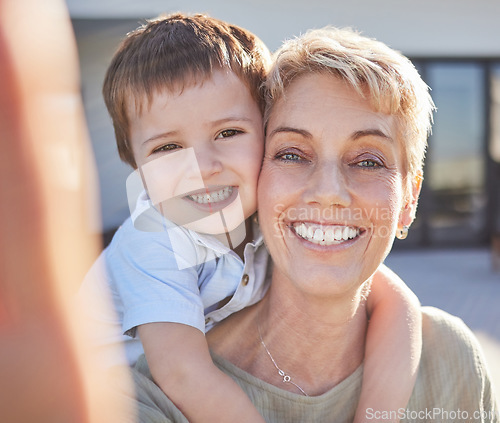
[
  {"x": 325, "y": 236},
  {"x": 212, "y": 197}
]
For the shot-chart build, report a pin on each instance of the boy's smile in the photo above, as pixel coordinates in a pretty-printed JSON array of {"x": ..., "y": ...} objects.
[
  {"x": 212, "y": 198},
  {"x": 199, "y": 150}
]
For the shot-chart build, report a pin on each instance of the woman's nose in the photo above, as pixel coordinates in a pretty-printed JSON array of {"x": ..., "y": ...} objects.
[{"x": 328, "y": 186}]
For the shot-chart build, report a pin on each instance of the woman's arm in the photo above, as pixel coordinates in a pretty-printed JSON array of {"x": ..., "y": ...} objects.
[
  {"x": 393, "y": 347},
  {"x": 181, "y": 366}
]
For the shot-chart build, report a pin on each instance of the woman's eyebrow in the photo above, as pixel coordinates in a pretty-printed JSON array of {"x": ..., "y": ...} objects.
[
  {"x": 370, "y": 133},
  {"x": 287, "y": 129}
]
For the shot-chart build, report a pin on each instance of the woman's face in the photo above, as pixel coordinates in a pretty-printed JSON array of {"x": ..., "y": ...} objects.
[{"x": 331, "y": 187}]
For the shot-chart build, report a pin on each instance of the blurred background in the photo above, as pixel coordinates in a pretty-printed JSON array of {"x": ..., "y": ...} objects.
[{"x": 452, "y": 251}]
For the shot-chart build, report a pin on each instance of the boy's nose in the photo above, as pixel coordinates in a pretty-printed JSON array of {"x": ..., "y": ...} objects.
[{"x": 209, "y": 163}]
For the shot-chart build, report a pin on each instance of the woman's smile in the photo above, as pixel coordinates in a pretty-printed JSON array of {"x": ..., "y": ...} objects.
[{"x": 324, "y": 234}]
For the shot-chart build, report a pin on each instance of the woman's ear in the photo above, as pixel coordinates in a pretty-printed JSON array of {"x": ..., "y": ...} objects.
[{"x": 410, "y": 208}]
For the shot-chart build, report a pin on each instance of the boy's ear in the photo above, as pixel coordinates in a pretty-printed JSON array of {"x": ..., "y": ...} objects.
[{"x": 410, "y": 208}]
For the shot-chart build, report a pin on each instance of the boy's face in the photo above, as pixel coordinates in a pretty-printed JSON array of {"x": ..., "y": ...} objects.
[{"x": 199, "y": 151}]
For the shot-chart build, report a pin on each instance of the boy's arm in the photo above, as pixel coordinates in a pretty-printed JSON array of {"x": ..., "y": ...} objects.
[
  {"x": 180, "y": 363},
  {"x": 393, "y": 348}
]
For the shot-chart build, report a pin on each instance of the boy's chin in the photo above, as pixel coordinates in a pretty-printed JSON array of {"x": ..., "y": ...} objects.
[
  {"x": 230, "y": 231},
  {"x": 224, "y": 221}
]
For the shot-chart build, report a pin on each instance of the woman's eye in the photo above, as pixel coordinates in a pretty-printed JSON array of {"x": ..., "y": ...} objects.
[
  {"x": 369, "y": 164},
  {"x": 227, "y": 133},
  {"x": 166, "y": 147},
  {"x": 288, "y": 157}
]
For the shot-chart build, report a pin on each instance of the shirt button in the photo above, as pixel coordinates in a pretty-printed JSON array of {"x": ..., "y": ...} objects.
[{"x": 245, "y": 279}]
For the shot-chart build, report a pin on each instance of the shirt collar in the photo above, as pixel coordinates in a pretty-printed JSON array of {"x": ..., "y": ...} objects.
[{"x": 146, "y": 217}]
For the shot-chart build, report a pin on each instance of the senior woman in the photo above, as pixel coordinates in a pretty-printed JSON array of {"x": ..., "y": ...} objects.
[{"x": 346, "y": 129}]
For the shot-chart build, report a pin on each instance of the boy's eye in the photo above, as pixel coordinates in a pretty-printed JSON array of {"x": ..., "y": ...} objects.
[
  {"x": 166, "y": 147},
  {"x": 227, "y": 133}
]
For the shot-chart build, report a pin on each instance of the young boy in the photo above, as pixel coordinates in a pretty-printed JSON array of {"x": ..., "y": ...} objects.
[{"x": 184, "y": 93}]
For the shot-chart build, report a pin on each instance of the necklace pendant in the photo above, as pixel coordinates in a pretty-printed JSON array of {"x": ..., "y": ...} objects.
[{"x": 286, "y": 378}]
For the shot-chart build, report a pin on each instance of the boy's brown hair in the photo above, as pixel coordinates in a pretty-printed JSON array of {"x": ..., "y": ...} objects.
[{"x": 172, "y": 51}]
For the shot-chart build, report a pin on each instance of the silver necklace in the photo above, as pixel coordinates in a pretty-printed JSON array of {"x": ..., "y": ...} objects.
[{"x": 286, "y": 377}]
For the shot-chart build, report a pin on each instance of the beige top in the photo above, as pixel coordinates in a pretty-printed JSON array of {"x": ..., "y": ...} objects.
[{"x": 453, "y": 385}]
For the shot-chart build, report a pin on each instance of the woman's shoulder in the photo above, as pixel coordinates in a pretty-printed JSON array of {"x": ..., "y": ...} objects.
[
  {"x": 448, "y": 344},
  {"x": 453, "y": 373},
  {"x": 443, "y": 331}
]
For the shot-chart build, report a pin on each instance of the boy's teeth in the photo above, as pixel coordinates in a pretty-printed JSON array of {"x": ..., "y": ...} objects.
[
  {"x": 212, "y": 197},
  {"x": 325, "y": 236}
]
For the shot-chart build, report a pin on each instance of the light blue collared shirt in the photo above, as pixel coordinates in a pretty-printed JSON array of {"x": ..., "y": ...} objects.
[{"x": 141, "y": 271}]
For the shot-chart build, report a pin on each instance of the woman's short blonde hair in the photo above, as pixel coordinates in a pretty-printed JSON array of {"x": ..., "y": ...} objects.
[{"x": 374, "y": 70}]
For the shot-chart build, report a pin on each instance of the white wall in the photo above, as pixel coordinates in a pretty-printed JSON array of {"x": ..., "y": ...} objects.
[{"x": 417, "y": 27}]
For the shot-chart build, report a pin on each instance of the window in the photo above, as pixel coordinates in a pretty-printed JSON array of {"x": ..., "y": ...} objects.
[
  {"x": 453, "y": 204},
  {"x": 494, "y": 147}
]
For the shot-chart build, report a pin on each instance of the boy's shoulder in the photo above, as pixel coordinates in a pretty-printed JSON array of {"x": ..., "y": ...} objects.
[
  {"x": 166, "y": 242},
  {"x": 128, "y": 236}
]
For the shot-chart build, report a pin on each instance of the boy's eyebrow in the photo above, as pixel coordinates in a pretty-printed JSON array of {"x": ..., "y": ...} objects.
[
  {"x": 162, "y": 135},
  {"x": 214, "y": 123},
  {"x": 231, "y": 119}
]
